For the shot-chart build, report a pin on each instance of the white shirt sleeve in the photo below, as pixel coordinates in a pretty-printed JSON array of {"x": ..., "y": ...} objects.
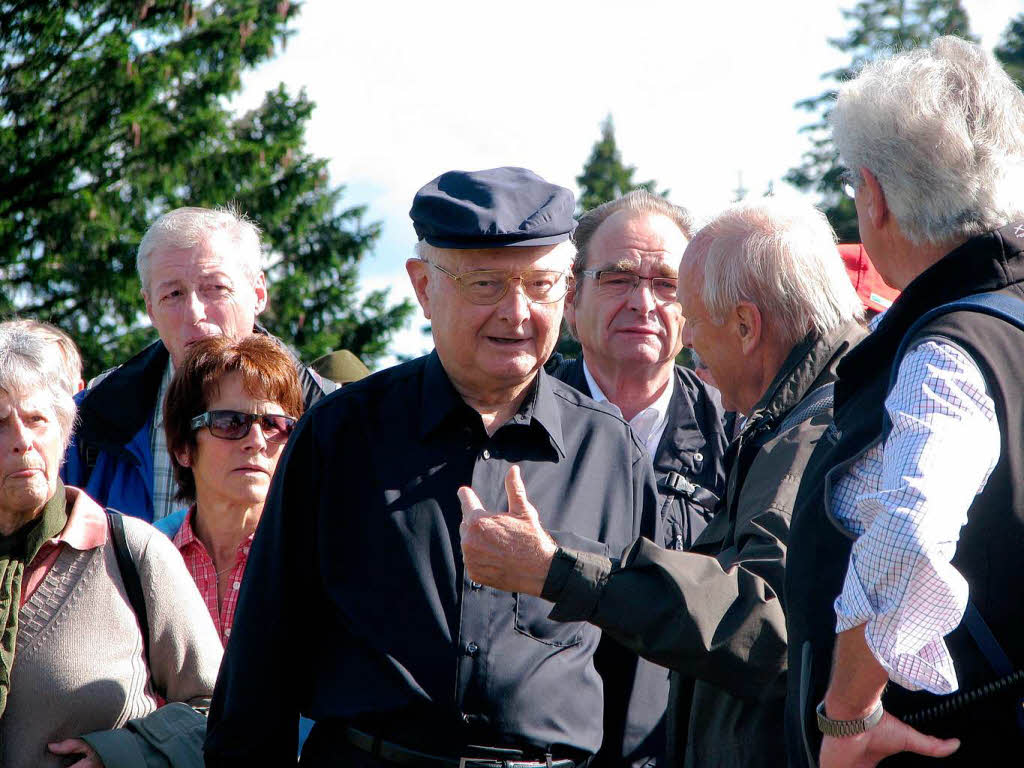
[{"x": 907, "y": 500}]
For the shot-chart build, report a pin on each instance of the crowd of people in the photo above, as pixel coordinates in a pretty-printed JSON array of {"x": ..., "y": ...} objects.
[{"x": 494, "y": 556}]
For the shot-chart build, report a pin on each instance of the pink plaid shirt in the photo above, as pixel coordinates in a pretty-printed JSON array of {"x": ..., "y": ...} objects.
[{"x": 200, "y": 565}]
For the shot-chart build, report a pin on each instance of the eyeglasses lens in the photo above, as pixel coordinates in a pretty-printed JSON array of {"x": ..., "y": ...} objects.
[
  {"x": 234, "y": 425},
  {"x": 615, "y": 283},
  {"x": 489, "y": 286}
]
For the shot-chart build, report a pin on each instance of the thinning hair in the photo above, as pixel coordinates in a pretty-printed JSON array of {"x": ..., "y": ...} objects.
[
  {"x": 32, "y": 362},
  {"x": 639, "y": 201},
  {"x": 69, "y": 351},
  {"x": 187, "y": 228},
  {"x": 942, "y": 129},
  {"x": 780, "y": 256},
  {"x": 268, "y": 371}
]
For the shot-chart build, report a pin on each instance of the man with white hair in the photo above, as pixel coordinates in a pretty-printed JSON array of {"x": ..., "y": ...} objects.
[
  {"x": 769, "y": 308},
  {"x": 910, "y": 509},
  {"x": 402, "y": 659},
  {"x": 201, "y": 276}
]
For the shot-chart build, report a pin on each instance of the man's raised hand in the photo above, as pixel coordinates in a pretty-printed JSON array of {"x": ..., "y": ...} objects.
[{"x": 510, "y": 550}]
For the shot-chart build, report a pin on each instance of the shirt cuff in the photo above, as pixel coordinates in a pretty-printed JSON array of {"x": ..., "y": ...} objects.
[
  {"x": 929, "y": 667},
  {"x": 574, "y": 584}
]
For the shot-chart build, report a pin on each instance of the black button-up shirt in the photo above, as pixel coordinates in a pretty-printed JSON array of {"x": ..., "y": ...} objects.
[{"x": 355, "y": 605}]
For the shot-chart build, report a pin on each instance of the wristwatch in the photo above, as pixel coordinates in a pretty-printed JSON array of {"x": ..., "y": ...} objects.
[{"x": 840, "y": 728}]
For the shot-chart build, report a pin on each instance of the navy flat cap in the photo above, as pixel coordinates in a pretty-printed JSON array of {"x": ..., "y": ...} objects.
[{"x": 492, "y": 209}]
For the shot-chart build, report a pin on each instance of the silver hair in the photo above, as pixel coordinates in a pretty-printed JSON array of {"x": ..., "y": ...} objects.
[
  {"x": 69, "y": 350},
  {"x": 185, "y": 228},
  {"x": 780, "y": 256},
  {"x": 428, "y": 252},
  {"x": 31, "y": 361},
  {"x": 942, "y": 129},
  {"x": 638, "y": 201}
]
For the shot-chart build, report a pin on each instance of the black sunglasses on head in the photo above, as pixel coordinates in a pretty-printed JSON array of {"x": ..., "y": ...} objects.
[{"x": 234, "y": 425}]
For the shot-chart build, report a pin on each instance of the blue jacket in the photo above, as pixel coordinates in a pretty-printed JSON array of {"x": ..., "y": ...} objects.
[{"x": 110, "y": 455}]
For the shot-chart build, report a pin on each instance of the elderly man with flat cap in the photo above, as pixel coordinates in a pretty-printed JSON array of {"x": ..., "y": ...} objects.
[{"x": 356, "y": 610}]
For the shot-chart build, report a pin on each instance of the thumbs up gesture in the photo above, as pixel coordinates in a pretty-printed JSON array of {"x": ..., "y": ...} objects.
[{"x": 510, "y": 551}]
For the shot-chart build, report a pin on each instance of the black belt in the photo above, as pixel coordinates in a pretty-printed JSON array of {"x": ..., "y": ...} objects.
[{"x": 390, "y": 752}]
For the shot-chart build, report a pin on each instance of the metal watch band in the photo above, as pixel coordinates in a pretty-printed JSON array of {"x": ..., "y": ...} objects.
[{"x": 840, "y": 728}]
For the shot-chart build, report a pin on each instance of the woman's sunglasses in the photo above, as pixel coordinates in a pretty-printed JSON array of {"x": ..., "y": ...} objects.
[{"x": 234, "y": 425}]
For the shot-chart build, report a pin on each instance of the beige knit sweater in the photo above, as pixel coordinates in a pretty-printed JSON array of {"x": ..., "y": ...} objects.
[{"x": 79, "y": 663}]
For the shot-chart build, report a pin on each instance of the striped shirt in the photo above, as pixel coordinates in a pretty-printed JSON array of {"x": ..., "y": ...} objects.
[
  {"x": 164, "y": 485},
  {"x": 906, "y": 500}
]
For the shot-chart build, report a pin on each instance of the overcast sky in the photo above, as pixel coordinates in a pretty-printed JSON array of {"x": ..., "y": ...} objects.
[{"x": 700, "y": 92}]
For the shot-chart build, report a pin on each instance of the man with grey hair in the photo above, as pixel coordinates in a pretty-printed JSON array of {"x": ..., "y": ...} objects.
[
  {"x": 623, "y": 310},
  {"x": 904, "y": 572},
  {"x": 415, "y": 663},
  {"x": 768, "y": 306},
  {"x": 201, "y": 276}
]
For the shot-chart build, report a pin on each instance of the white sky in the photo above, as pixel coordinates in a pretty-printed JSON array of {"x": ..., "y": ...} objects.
[{"x": 699, "y": 91}]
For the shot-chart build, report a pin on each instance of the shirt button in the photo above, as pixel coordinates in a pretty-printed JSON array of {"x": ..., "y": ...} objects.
[
  {"x": 236, "y": 585},
  {"x": 698, "y": 456},
  {"x": 472, "y": 649},
  {"x": 486, "y": 454},
  {"x": 227, "y": 632},
  {"x": 475, "y": 584}
]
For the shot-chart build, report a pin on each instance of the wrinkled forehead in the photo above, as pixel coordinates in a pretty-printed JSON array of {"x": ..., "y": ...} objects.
[
  {"x": 512, "y": 259},
  {"x": 26, "y": 396},
  {"x": 637, "y": 241}
]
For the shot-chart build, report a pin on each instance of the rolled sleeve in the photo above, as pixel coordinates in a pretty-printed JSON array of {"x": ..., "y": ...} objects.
[{"x": 907, "y": 501}]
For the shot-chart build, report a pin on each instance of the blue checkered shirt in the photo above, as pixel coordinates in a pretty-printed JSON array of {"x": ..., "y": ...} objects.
[{"x": 906, "y": 501}]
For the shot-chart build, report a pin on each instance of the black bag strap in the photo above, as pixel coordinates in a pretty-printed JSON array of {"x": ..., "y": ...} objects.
[
  {"x": 1010, "y": 310},
  {"x": 130, "y": 576}
]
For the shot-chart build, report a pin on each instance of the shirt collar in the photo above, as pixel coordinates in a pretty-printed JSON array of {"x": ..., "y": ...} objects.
[
  {"x": 186, "y": 534},
  {"x": 87, "y": 522},
  {"x": 439, "y": 399},
  {"x": 647, "y": 420}
]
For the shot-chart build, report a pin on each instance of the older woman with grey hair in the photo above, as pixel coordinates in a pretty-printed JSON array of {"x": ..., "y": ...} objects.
[{"x": 75, "y": 668}]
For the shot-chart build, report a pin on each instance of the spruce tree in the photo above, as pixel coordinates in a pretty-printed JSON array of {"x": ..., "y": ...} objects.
[
  {"x": 605, "y": 177},
  {"x": 115, "y": 112},
  {"x": 1010, "y": 50},
  {"x": 877, "y": 26}
]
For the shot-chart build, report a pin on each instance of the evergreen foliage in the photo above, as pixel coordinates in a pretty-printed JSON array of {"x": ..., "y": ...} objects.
[
  {"x": 1010, "y": 50},
  {"x": 877, "y": 26},
  {"x": 605, "y": 177},
  {"x": 112, "y": 113}
]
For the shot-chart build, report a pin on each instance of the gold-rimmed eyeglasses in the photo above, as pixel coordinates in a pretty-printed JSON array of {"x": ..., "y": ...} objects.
[{"x": 489, "y": 286}]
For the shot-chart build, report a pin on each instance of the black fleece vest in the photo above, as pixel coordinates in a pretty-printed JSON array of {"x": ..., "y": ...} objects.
[{"x": 990, "y": 552}]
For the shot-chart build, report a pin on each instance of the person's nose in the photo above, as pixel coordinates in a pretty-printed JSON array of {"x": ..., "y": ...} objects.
[
  {"x": 195, "y": 309},
  {"x": 20, "y": 434},
  {"x": 255, "y": 441},
  {"x": 642, "y": 298},
  {"x": 686, "y": 334},
  {"x": 515, "y": 304}
]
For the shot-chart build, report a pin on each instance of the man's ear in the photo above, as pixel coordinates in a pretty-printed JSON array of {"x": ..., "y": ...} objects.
[
  {"x": 876, "y": 206},
  {"x": 149, "y": 303},
  {"x": 260, "y": 287},
  {"x": 569, "y": 311},
  {"x": 749, "y": 327},
  {"x": 419, "y": 276}
]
